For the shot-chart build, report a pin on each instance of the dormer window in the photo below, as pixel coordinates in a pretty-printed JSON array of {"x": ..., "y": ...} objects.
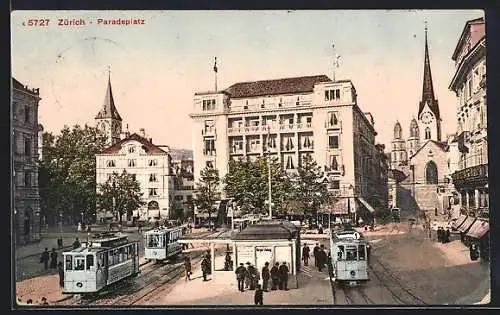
[
  {"x": 152, "y": 163},
  {"x": 209, "y": 104},
  {"x": 131, "y": 149},
  {"x": 111, "y": 163}
]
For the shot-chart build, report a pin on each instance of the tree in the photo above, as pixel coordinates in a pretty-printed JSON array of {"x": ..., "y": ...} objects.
[
  {"x": 309, "y": 191},
  {"x": 207, "y": 191},
  {"x": 121, "y": 193},
  {"x": 247, "y": 184},
  {"x": 67, "y": 172}
]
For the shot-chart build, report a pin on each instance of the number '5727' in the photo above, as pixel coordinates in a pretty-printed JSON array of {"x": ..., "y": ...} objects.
[{"x": 38, "y": 22}]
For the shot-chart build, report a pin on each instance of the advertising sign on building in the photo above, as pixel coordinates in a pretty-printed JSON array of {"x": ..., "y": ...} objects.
[
  {"x": 264, "y": 254},
  {"x": 245, "y": 254}
]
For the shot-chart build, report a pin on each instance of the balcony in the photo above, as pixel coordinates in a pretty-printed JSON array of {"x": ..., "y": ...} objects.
[
  {"x": 333, "y": 125},
  {"x": 209, "y": 132},
  {"x": 335, "y": 171},
  {"x": 471, "y": 176},
  {"x": 209, "y": 153},
  {"x": 262, "y": 129}
]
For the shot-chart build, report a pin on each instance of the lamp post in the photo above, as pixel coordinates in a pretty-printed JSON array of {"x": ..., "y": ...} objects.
[
  {"x": 81, "y": 213},
  {"x": 60, "y": 223}
]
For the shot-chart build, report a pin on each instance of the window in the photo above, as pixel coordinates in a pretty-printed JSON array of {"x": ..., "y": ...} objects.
[
  {"x": 179, "y": 197},
  {"x": 209, "y": 164},
  {"x": 335, "y": 184},
  {"x": 153, "y": 241},
  {"x": 298, "y": 101},
  {"x": 131, "y": 162},
  {"x": 153, "y": 163},
  {"x": 333, "y": 142},
  {"x": 333, "y": 118},
  {"x": 153, "y": 191},
  {"x": 209, "y": 104},
  {"x": 289, "y": 163},
  {"x": 209, "y": 146},
  {"x": 334, "y": 164},
  {"x": 351, "y": 253},
  {"x": 27, "y": 146},
  {"x": 131, "y": 149},
  {"x": 263, "y": 105},
  {"x": 110, "y": 176},
  {"x": 153, "y": 178},
  {"x": 289, "y": 144},
  {"x": 27, "y": 179},
  {"x": 111, "y": 163},
  {"x": 280, "y": 103},
  {"x": 331, "y": 95},
  {"x": 90, "y": 261},
  {"x": 27, "y": 115},
  {"x": 79, "y": 263},
  {"x": 361, "y": 252},
  {"x": 69, "y": 262},
  {"x": 111, "y": 258},
  {"x": 337, "y": 94},
  {"x": 308, "y": 119},
  {"x": 427, "y": 133}
]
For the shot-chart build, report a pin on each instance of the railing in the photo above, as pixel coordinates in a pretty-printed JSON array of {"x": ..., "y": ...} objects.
[
  {"x": 330, "y": 125},
  {"x": 209, "y": 153},
  {"x": 473, "y": 160},
  {"x": 266, "y": 128},
  {"x": 474, "y": 172},
  {"x": 208, "y": 131}
]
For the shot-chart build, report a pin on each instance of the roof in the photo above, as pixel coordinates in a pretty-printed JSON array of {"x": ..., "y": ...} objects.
[
  {"x": 149, "y": 147},
  {"x": 278, "y": 86},
  {"x": 267, "y": 230},
  {"x": 19, "y": 86},
  {"x": 427, "y": 87},
  {"x": 108, "y": 109},
  {"x": 462, "y": 36},
  {"x": 440, "y": 144},
  {"x": 16, "y": 84}
]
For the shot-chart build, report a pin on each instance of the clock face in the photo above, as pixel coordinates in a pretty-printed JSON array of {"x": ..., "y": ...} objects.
[{"x": 427, "y": 118}]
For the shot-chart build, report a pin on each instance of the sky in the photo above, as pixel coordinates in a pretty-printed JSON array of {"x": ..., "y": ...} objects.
[{"x": 156, "y": 67}]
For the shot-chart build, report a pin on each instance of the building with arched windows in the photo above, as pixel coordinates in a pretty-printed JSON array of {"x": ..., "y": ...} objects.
[{"x": 422, "y": 160}]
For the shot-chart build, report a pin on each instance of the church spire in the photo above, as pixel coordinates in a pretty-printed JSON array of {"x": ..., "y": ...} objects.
[
  {"x": 428, "y": 88},
  {"x": 108, "y": 109}
]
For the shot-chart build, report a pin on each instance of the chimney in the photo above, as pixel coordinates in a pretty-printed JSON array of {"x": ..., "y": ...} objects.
[{"x": 142, "y": 132}]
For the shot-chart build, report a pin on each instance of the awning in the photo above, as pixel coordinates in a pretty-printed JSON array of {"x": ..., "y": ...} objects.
[
  {"x": 466, "y": 225},
  {"x": 479, "y": 229},
  {"x": 366, "y": 204},
  {"x": 459, "y": 221}
]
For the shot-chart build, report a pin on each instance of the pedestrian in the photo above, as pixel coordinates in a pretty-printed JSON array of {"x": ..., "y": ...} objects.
[
  {"x": 305, "y": 254},
  {"x": 241, "y": 274},
  {"x": 259, "y": 296},
  {"x": 315, "y": 254},
  {"x": 447, "y": 236},
  {"x": 275, "y": 276},
  {"x": 44, "y": 301},
  {"x": 283, "y": 277},
  {"x": 59, "y": 242},
  {"x": 436, "y": 212},
  {"x": 29, "y": 301},
  {"x": 205, "y": 266},
  {"x": 252, "y": 275},
  {"x": 322, "y": 258},
  {"x": 45, "y": 258},
  {"x": 187, "y": 268},
  {"x": 265, "y": 276},
  {"x": 76, "y": 243},
  {"x": 368, "y": 251},
  {"x": 53, "y": 259},
  {"x": 139, "y": 228},
  {"x": 440, "y": 234},
  {"x": 443, "y": 235},
  {"x": 209, "y": 260},
  {"x": 60, "y": 270},
  {"x": 227, "y": 262}
]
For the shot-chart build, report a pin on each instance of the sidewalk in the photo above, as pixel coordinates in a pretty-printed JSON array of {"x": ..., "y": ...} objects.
[{"x": 313, "y": 288}]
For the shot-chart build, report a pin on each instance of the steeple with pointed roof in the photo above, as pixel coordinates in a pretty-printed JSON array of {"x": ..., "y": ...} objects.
[
  {"x": 428, "y": 96},
  {"x": 108, "y": 119}
]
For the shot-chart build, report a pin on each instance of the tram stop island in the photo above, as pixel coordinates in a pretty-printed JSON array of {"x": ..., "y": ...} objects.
[{"x": 265, "y": 241}]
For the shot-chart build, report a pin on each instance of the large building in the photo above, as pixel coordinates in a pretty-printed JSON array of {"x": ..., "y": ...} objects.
[
  {"x": 301, "y": 116},
  {"x": 26, "y": 198},
  {"x": 469, "y": 85},
  {"x": 420, "y": 163},
  {"x": 183, "y": 168}
]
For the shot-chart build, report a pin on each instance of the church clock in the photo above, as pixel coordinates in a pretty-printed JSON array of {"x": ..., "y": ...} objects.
[{"x": 427, "y": 118}]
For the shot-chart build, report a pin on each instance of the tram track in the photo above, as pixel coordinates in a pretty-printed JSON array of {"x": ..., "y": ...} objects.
[{"x": 411, "y": 298}]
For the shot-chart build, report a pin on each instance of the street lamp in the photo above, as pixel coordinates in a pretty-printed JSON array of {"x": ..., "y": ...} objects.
[
  {"x": 60, "y": 222},
  {"x": 82, "y": 216}
]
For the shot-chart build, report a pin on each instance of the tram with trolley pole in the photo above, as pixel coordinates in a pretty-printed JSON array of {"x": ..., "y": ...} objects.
[
  {"x": 105, "y": 259},
  {"x": 349, "y": 252},
  {"x": 162, "y": 243}
]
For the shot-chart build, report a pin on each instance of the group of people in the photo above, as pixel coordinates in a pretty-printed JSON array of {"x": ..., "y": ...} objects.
[
  {"x": 248, "y": 278},
  {"x": 319, "y": 253},
  {"x": 443, "y": 235},
  {"x": 46, "y": 256}
]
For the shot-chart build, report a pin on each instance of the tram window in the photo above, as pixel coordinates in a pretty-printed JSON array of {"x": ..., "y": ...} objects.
[
  {"x": 99, "y": 261},
  {"x": 79, "y": 263},
  {"x": 153, "y": 240},
  {"x": 69, "y": 262},
  {"x": 351, "y": 253},
  {"x": 361, "y": 252},
  {"x": 111, "y": 260},
  {"x": 121, "y": 254},
  {"x": 90, "y": 261},
  {"x": 341, "y": 254}
]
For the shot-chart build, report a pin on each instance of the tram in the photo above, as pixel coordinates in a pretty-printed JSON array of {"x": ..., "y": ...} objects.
[
  {"x": 105, "y": 259},
  {"x": 162, "y": 243},
  {"x": 349, "y": 257}
]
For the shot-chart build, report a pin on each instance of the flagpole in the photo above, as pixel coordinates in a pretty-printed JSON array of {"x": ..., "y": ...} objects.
[
  {"x": 215, "y": 70},
  {"x": 334, "y": 61}
]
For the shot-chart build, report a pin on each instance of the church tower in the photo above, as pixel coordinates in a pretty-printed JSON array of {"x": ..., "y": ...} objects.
[
  {"x": 108, "y": 119},
  {"x": 413, "y": 141},
  {"x": 398, "y": 151},
  {"x": 429, "y": 121}
]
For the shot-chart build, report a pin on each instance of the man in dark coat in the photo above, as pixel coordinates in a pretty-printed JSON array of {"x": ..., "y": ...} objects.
[
  {"x": 241, "y": 273},
  {"x": 315, "y": 254},
  {"x": 45, "y": 258},
  {"x": 322, "y": 258},
  {"x": 227, "y": 262},
  {"x": 283, "y": 277},
  {"x": 265, "y": 276},
  {"x": 60, "y": 270},
  {"x": 205, "y": 266},
  {"x": 259, "y": 296},
  {"x": 275, "y": 276},
  {"x": 53, "y": 259},
  {"x": 59, "y": 242},
  {"x": 439, "y": 234},
  {"x": 447, "y": 235},
  {"x": 252, "y": 275},
  {"x": 305, "y": 254},
  {"x": 76, "y": 243}
]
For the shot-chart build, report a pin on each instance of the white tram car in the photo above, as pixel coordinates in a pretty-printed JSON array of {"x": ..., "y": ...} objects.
[
  {"x": 104, "y": 260},
  {"x": 349, "y": 257},
  {"x": 162, "y": 243}
]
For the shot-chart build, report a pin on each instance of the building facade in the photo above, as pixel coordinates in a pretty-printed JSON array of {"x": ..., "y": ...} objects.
[
  {"x": 183, "y": 169},
  {"x": 108, "y": 119},
  {"x": 469, "y": 85},
  {"x": 25, "y": 131},
  {"x": 149, "y": 164},
  {"x": 291, "y": 118}
]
